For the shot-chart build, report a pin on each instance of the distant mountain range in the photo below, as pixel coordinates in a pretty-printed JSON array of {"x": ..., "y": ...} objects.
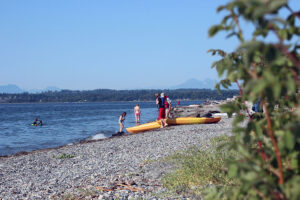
[
  {"x": 189, "y": 84},
  {"x": 10, "y": 89},
  {"x": 14, "y": 89},
  {"x": 196, "y": 84}
]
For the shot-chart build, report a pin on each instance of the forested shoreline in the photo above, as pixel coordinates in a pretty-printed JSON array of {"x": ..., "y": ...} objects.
[{"x": 99, "y": 95}]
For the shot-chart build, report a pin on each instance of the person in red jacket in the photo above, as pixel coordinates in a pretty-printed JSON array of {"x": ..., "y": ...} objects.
[{"x": 162, "y": 110}]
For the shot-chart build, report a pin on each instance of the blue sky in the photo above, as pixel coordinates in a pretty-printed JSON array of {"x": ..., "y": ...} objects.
[{"x": 116, "y": 44}]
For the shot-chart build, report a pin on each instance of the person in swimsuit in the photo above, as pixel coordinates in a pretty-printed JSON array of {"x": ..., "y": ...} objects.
[
  {"x": 168, "y": 106},
  {"x": 137, "y": 113},
  {"x": 121, "y": 120}
]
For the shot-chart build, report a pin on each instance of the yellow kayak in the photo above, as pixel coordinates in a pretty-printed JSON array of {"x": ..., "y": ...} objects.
[
  {"x": 144, "y": 127},
  {"x": 177, "y": 121},
  {"x": 193, "y": 120}
]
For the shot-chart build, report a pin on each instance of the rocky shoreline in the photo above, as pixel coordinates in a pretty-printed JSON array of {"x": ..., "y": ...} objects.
[{"x": 123, "y": 167}]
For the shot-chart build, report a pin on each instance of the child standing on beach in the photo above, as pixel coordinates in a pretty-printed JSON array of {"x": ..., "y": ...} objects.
[{"x": 121, "y": 120}]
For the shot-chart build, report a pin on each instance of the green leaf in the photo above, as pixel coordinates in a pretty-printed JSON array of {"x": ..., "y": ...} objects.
[
  {"x": 280, "y": 60},
  {"x": 263, "y": 32},
  {"x": 291, "y": 19},
  {"x": 276, "y": 4},
  {"x": 226, "y": 18},
  {"x": 297, "y": 31},
  {"x": 290, "y": 83},
  {"x": 294, "y": 162},
  {"x": 283, "y": 34},
  {"x": 291, "y": 188},
  {"x": 289, "y": 140},
  {"x": 217, "y": 86},
  {"x": 257, "y": 13},
  {"x": 220, "y": 8},
  {"x": 214, "y": 30},
  {"x": 277, "y": 90},
  {"x": 257, "y": 59},
  {"x": 250, "y": 176},
  {"x": 279, "y": 133}
]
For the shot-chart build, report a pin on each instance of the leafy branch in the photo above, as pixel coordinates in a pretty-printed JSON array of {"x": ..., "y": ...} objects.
[{"x": 269, "y": 142}]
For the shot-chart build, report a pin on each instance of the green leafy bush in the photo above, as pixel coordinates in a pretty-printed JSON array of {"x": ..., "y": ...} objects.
[{"x": 268, "y": 71}]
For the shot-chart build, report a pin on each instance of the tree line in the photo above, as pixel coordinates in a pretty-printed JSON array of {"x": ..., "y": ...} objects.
[{"x": 99, "y": 95}]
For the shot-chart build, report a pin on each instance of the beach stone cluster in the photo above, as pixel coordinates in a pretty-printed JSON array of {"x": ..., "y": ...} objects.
[
  {"x": 195, "y": 110},
  {"x": 121, "y": 167}
]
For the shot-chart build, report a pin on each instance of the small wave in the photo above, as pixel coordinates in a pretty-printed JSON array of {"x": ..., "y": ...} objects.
[{"x": 98, "y": 136}]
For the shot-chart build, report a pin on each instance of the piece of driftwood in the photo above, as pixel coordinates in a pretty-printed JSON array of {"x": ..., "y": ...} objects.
[
  {"x": 104, "y": 189},
  {"x": 121, "y": 187},
  {"x": 129, "y": 187}
]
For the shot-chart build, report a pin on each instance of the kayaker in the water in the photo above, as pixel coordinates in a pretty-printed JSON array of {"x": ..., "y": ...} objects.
[
  {"x": 35, "y": 123},
  {"x": 121, "y": 120},
  {"x": 40, "y": 123}
]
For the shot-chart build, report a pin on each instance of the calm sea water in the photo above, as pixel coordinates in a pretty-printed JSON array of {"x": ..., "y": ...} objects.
[{"x": 65, "y": 123}]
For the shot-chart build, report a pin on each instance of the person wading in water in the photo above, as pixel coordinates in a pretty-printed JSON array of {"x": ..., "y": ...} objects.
[{"x": 137, "y": 113}]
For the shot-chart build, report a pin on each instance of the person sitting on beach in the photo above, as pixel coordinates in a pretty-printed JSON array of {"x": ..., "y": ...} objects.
[
  {"x": 137, "y": 113},
  {"x": 121, "y": 120}
]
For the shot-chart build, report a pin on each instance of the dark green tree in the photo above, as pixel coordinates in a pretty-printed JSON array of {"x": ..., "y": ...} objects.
[{"x": 115, "y": 95}]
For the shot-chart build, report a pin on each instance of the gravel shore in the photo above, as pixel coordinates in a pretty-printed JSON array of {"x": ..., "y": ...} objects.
[{"x": 125, "y": 167}]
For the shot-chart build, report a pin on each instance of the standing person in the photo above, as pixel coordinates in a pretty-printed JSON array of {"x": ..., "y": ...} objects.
[
  {"x": 121, "y": 120},
  {"x": 137, "y": 113},
  {"x": 157, "y": 100},
  {"x": 168, "y": 106},
  {"x": 162, "y": 110}
]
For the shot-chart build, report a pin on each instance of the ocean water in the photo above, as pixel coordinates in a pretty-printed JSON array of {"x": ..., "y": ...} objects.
[{"x": 65, "y": 123}]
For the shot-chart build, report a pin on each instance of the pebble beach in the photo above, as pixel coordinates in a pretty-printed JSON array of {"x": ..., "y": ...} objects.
[{"x": 122, "y": 167}]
